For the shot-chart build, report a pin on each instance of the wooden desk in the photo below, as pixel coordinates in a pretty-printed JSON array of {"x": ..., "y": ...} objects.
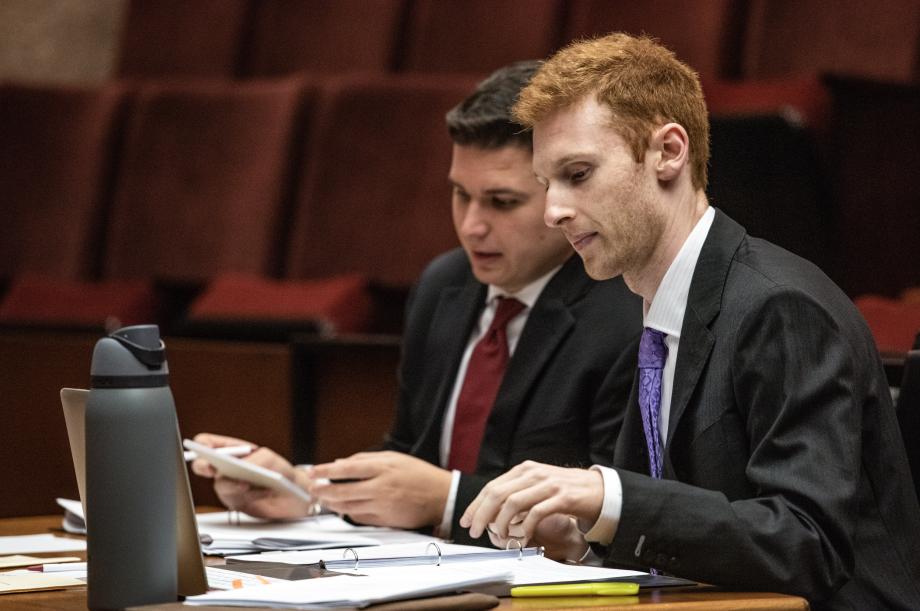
[{"x": 695, "y": 599}]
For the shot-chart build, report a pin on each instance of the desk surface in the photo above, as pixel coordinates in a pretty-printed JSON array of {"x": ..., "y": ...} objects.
[{"x": 701, "y": 598}]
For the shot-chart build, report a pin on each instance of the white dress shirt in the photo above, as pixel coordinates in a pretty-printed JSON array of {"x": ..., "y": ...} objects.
[
  {"x": 665, "y": 314},
  {"x": 528, "y": 296}
]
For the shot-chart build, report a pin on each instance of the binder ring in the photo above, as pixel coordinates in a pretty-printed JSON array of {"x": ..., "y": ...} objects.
[
  {"x": 519, "y": 544},
  {"x": 437, "y": 548},
  {"x": 353, "y": 553}
]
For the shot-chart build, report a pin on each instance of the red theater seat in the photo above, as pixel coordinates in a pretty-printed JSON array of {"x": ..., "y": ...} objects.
[
  {"x": 234, "y": 301},
  {"x": 478, "y": 36},
  {"x": 894, "y": 322},
  {"x": 703, "y": 34},
  {"x": 322, "y": 36},
  {"x": 851, "y": 37},
  {"x": 38, "y": 301},
  {"x": 203, "y": 180},
  {"x": 166, "y": 38},
  {"x": 803, "y": 100},
  {"x": 56, "y": 153},
  {"x": 376, "y": 199}
]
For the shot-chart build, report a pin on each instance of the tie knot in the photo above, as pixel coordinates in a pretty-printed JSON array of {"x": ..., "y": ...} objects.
[
  {"x": 508, "y": 308},
  {"x": 652, "y": 349}
]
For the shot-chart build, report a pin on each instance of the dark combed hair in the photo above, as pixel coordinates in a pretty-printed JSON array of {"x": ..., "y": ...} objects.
[{"x": 484, "y": 118}]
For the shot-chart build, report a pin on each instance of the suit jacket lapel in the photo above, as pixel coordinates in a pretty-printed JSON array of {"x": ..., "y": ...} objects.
[
  {"x": 451, "y": 325},
  {"x": 548, "y": 324},
  {"x": 703, "y": 304}
]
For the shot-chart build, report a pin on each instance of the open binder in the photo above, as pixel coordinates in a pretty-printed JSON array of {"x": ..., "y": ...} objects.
[{"x": 356, "y": 559}]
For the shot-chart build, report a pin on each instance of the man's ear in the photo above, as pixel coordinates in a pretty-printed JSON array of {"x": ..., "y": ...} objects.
[{"x": 671, "y": 146}]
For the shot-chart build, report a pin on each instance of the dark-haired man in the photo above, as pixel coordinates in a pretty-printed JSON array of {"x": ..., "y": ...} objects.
[{"x": 510, "y": 351}]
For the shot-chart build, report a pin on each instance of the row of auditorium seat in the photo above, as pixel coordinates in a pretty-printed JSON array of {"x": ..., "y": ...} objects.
[
  {"x": 182, "y": 182},
  {"x": 720, "y": 38},
  {"x": 298, "y": 198}
]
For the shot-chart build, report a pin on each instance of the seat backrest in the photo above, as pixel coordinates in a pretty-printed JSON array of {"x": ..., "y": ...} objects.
[
  {"x": 204, "y": 179},
  {"x": 376, "y": 199},
  {"x": 56, "y": 154},
  {"x": 871, "y": 39},
  {"x": 775, "y": 188},
  {"x": 166, "y": 38},
  {"x": 322, "y": 36},
  {"x": 909, "y": 413},
  {"x": 709, "y": 46},
  {"x": 478, "y": 36}
]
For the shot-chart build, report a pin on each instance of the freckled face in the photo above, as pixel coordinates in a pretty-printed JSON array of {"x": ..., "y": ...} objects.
[
  {"x": 601, "y": 198},
  {"x": 497, "y": 208}
]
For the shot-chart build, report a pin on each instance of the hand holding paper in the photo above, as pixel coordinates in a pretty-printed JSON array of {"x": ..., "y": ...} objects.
[{"x": 263, "y": 484}]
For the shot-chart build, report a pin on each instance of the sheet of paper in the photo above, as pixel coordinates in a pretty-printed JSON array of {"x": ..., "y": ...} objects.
[
  {"x": 10, "y": 562},
  {"x": 325, "y": 530},
  {"x": 31, "y": 581},
  {"x": 537, "y": 570},
  {"x": 30, "y": 544},
  {"x": 347, "y": 590},
  {"x": 224, "y": 579},
  {"x": 74, "y": 520}
]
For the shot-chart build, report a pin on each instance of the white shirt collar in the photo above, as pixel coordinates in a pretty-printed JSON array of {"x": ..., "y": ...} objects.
[
  {"x": 527, "y": 295},
  {"x": 666, "y": 312}
]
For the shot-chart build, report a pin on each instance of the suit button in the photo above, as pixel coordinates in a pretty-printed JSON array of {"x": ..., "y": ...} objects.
[
  {"x": 661, "y": 560},
  {"x": 673, "y": 563}
]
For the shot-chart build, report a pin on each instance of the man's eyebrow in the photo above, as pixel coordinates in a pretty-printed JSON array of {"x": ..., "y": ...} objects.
[
  {"x": 505, "y": 191},
  {"x": 566, "y": 159}
]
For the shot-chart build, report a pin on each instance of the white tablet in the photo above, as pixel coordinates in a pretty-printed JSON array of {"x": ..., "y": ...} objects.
[{"x": 232, "y": 467}]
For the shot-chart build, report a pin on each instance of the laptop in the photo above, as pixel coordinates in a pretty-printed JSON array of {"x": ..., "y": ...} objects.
[{"x": 191, "y": 579}]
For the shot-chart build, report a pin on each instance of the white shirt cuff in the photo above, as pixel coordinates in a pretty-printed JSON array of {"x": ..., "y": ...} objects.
[
  {"x": 605, "y": 528},
  {"x": 444, "y": 528}
]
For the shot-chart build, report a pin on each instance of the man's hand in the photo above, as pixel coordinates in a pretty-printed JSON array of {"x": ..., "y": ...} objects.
[
  {"x": 394, "y": 489},
  {"x": 557, "y": 533},
  {"x": 523, "y": 504},
  {"x": 250, "y": 499}
]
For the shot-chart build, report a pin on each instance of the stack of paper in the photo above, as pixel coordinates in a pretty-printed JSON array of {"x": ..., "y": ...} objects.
[
  {"x": 30, "y": 544},
  {"x": 528, "y": 569},
  {"x": 384, "y": 585},
  {"x": 224, "y": 534}
]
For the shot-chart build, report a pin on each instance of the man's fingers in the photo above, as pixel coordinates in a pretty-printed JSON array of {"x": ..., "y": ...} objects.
[
  {"x": 348, "y": 492},
  {"x": 218, "y": 441},
  {"x": 346, "y": 468},
  {"x": 203, "y": 468},
  {"x": 490, "y": 501}
]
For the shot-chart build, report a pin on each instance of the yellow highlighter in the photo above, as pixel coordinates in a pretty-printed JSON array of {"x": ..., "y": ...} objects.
[{"x": 610, "y": 588}]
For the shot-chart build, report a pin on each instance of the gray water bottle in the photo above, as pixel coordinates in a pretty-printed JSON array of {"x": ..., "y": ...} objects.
[{"x": 131, "y": 453}]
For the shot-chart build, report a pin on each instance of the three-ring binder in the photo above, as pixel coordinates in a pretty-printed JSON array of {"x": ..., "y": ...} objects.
[{"x": 354, "y": 562}]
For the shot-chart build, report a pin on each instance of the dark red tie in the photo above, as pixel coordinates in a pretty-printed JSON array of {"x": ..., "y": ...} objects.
[{"x": 484, "y": 375}]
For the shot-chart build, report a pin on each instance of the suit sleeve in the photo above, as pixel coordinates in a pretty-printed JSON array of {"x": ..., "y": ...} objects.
[{"x": 794, "y": 380}]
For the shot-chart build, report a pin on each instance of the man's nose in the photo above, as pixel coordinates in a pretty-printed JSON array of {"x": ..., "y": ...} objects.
[
  {"x": 475, "y": 222},
  {"x": 556, "y": 211}
]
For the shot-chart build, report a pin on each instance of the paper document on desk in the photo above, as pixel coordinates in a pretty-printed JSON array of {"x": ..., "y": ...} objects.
[
  {"x": 30, "y": 581},
  {"x": 30, "y": 544},
  {"x": 387, "y": 584},
  {"x": 74, "y": 520},
  {"x": 529, "y": 569},
  {"x": 223, "y": 534}
]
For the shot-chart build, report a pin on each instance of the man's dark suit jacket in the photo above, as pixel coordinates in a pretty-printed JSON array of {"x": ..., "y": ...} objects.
[
  {"x": 784, "y": 466},
  {"x": 565, "y": 390}
]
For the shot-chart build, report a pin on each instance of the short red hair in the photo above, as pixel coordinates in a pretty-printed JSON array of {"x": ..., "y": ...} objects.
[{"x": 642, "y": 83}]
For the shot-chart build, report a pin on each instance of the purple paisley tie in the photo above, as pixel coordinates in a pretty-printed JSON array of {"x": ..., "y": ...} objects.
[{"x": 652, "y": 354}]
